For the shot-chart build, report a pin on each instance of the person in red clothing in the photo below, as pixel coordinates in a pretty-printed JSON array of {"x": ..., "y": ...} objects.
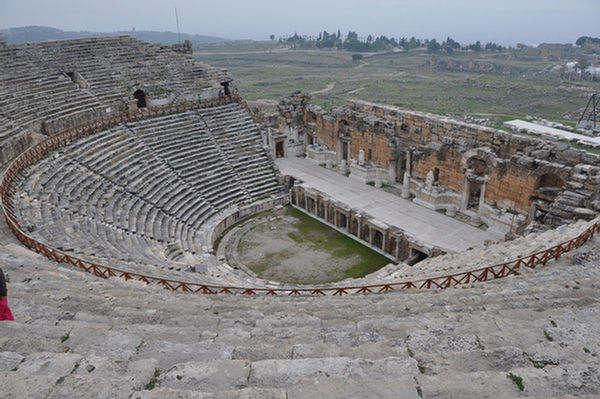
[{"x": 5, "y": 313}]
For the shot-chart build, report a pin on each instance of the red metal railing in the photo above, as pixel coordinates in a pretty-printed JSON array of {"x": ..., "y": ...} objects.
[{"x": 38, "y": 151}]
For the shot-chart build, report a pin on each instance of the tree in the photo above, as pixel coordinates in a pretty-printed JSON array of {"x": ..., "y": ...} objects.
[
  {"x": 357, "y": 57},
  {"x": 582, "y": 64},
  {"x": 339, "y": 34},
  {"x": 433, "y": 46},
  {"x": 404, "y": 43},
  {"x": 584, "y": 39},
  {"x": 272, "y": 37},
  {"x": 414, "y": 43},
  {"x": 475, "y": 47}
]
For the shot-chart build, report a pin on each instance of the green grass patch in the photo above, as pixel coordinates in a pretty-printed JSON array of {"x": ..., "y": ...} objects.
[
  {"x": 340, "y": 245},
  {"x": 517, "y": 380},
  {"x": 152, "y": 383},
  {"x": 346, "y": 256},
  {"x": 581, "y": 147},
  {"x": 540, "y": 364}
]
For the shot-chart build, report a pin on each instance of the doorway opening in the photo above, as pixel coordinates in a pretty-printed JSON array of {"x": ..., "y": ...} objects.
[
  {"x": 140, "y": 96},
  {"x": 279, "y": 151}
]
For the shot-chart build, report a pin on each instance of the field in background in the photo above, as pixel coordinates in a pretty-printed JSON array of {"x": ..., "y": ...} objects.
[{"x": 268, "y": 71}]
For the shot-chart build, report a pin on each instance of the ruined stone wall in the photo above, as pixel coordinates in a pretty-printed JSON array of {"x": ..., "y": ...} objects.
[{"x": 514, "y": 165}]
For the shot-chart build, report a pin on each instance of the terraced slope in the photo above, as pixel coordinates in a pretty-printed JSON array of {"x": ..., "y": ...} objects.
[
  {"x": 80, "y": 336},
  {"x": 139, "y": 194}
]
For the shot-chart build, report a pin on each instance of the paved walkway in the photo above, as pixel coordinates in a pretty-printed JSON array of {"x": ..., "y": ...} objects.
[{"x": 429, "y": 226}]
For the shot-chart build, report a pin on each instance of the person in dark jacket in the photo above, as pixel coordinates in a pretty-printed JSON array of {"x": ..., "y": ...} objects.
[{"x": 5, "y": 313}]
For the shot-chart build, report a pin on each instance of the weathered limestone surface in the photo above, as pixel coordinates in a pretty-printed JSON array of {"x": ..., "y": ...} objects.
[
  {"x": 49, "y": 86},
  {"x": 76, "y": 335}
]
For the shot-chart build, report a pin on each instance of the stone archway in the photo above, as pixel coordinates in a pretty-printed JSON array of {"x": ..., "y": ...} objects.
[
  {"x": 140, "y": 96},
  {"x": 476, "y": 165}
]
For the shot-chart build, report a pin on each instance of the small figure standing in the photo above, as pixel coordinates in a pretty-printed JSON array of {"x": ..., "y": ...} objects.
[{"x": 5, "y": 313}]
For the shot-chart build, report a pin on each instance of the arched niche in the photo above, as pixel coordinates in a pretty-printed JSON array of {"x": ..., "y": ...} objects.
[{"x": 140, "y": 96}]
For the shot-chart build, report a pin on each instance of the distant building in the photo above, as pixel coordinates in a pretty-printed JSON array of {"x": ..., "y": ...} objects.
[{"x": 556, "y": 50}]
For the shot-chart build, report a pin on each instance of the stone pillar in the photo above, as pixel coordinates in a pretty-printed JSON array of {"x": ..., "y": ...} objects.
[
  {"x": 406, "y": 186},
  {"x": 486, "y": 179},
  {"x": 340, "y": 151},
  {"x": 397, "y": 249},
  {"x": 265, "y": 134},
  {"x": 371, "y": 235},
  {"x": 359, "y": 223},
  {"x": 392, "y": 173},
  {"x": 464, "y": 201},
  {"x": 384, "y": 241},
  {"x": 343, "y": 169},
  {"x": 335, "y": 217},
  {"x": 451, "y": 210},
  {"x": 378, "y": 178},
  {"x": 325, "y": 206},
  {"x": 305, "y": 202},
  {"x": 296, "y": 193},
  {"x": 348, "y": 223}
]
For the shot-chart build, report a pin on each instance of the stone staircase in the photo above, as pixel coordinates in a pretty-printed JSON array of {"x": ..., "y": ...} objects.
[{"x": 81, "y": 336}]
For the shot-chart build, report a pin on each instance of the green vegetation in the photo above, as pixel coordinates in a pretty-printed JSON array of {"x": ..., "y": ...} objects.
[
  {"x": 580, "y": 147},
  {"x": 548, "y": 336},
  {"x": 479, "y": 345},
  {"x": 294, "y": 247},
  {"x": 520, "y": 83},
  {"x": 540, "y": 364},
  {"x": 64, "y": 337},
  {"x": 152, "y": 383},
  {"x": 517, "y": 380},
  {"x": 324, "y": 237}
]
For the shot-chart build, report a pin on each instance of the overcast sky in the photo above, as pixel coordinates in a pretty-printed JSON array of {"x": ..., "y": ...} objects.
[{"x": 502, "y": 21}]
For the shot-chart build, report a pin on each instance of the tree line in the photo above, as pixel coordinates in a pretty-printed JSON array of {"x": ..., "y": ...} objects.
[{"x": 352, "y": 42}]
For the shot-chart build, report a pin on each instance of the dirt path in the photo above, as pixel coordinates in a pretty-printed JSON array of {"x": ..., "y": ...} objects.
[{"x": 329, "y": 87}]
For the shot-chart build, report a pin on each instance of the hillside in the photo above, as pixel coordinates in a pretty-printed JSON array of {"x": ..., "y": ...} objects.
[{"x": 28, "y": 34}]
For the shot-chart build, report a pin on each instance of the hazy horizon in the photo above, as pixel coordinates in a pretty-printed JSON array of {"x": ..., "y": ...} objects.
[{"x": 507, "y": 23}]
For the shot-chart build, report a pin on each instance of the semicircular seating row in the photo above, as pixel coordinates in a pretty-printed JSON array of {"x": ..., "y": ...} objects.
[
  {"x": 35, "y": 88},
  {"x": 137, "y": 195}
]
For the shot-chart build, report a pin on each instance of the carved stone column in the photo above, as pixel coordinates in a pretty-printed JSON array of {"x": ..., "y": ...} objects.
[
  {"x": 464, "y": 201},
  {"x": 486, "y": 179}
]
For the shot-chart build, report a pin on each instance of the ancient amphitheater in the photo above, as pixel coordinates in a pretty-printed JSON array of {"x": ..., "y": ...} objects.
[{"x": 124, "y": 162}]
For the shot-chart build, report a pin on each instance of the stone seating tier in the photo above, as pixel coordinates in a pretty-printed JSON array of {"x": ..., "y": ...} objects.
[
  {"x": 150, "y": 184},
  {"x": 77, "y": 335},
  {"x": 35, "y": 87}
]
